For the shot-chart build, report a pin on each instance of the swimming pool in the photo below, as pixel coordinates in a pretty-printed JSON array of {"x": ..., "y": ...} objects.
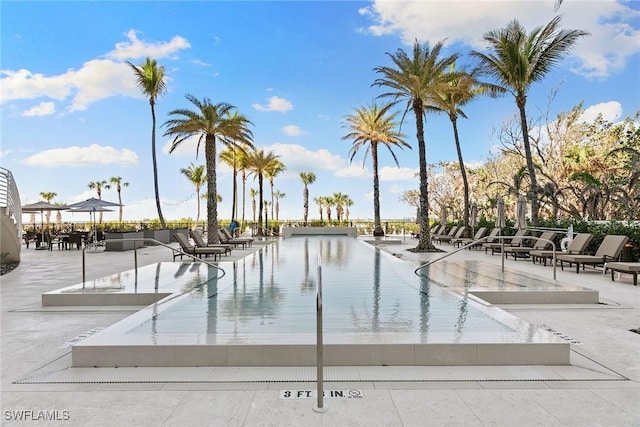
[{"x": 266, "y": 303}]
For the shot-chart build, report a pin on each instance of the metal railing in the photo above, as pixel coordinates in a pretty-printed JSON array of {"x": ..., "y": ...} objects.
[
  {"x": 10, "y": 199},
  {"x": 502, "y": 253},
  {"x": 175, "y": 252},
  {"x": 319, "y": 344}
]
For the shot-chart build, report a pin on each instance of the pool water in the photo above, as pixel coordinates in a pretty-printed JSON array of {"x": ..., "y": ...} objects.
[{"x": 273, "y": 293}]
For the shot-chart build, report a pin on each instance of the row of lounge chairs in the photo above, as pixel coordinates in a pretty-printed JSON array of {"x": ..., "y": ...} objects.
[
  {"x": 202, "y": 248},
  {"x": 607, "y": 254}
]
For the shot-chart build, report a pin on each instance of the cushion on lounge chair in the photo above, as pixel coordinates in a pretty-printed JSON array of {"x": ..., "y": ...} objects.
[
  {"x": 201, "y": 243},
  {"x": 543, "y": 243},
  {"x": 190, "y": 249},
  {"x": 578, "y": 245}
]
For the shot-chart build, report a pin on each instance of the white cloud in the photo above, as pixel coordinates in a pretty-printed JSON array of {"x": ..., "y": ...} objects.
[
  {"x": 292, "y": 130},
  {"x": 353, "y": 171},
  {"x": 390, "y": 173},
  {"x": 300, "y": 159},
  {"x": 187, "y": 148},
  {"x": 612, "y": 41},
  {"x": 611, "y": 111},
  {"x": 275, "y": 104},
  {"x": 42, "y": 109},
  {"x": 136, "y": 48},
  {"x": 82, "y": 157},
  {"x": 97, "y": 78}
]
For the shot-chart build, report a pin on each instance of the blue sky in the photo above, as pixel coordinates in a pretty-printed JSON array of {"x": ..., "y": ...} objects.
[{"x": 71, "y": 113}]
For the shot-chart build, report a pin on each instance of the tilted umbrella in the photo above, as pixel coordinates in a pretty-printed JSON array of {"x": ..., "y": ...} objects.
[
  {"x": 42, "y": 206},
  {"x": 521, "y": 213}
]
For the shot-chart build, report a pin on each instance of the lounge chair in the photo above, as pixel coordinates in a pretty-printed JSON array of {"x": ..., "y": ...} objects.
[
  {"x": 577, "y": 246},
  {"x": 201, "y": 243},
  {"x": 461, "y": 241},
  {"x": 190, "y": 249},
  {"x": 517, "y": 240},
  {"x": 461, "y": 232},
  {"x": 609, "y": 250},
  {"x": 235, "y": 242},
  {"x": 525, "y": 251},
  {"x": 228, "y": 235},
  {"x": 624, "y": 267},
  {"x": 439, "y": 237}
]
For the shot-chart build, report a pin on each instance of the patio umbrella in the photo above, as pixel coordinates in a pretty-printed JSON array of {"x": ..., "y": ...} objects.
[
  {"x": 521, "y": 212},
  {"x": 501, "y": 221},
  {"x": 92, "y": 213},
  {"x": 443, "y": 215},
  {"x": 473, "y": 221},
  {"x": 42, "y": 206}
]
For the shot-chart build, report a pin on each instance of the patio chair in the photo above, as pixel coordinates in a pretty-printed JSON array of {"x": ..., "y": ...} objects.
[
  {"x": 201, "y": 243},
  {"x": 517, "y": 240},
  {"x": 227, "y": 234},
  {"x": 525, "y": 251},
  {"x": 632, "y": 268},
  {"x": 609, "y": 250},
  {"x": 190, "y": 249},
  {"x": 577, "y": 246},
  {"x": 235, "y": 242},
  {"x": 461, "y": 241},
  {"x": 459, "y": 234},
  {"x": 439, "y": 237}
]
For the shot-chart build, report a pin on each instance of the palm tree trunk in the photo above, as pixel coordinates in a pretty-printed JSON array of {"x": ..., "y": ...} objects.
[
  {"x": 424, "y": 240},
  {"x": 272, "y": 201},
  {"x": 155, "y": 163},
  {"x": 244, "y": 196},
  {"x": 120, "y": 202},
  {"x": 235, "y": 192},
  {"x": 533, "y": 195},
  {"x": 198, "y": 205},
  {"x": 463, "y": 171},
  {"x": 305, "y": 210},
  {"x": 260, "y": 204},
  {"x": 377, "y": 228},
  {"x": 212, "y": 199}
]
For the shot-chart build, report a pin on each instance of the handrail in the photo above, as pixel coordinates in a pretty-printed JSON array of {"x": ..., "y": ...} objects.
[
  {"x": 484, "y": 239},
  {"x": 319, "y": 345},
  {"x": 135, "y": 254}
]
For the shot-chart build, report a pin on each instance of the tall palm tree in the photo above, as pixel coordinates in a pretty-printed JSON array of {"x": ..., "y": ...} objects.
[
  {"x": 259, "y": 163},
  {"x": 517, "y": 59},
  {"x": 369, "y": 127},
  {"x": 278, "y": 195},
  {"x": 230, "y": 157},
  {"x": 242, "y": 165},
  {"x": 210, "y": 123},
  {"x": 416, "y": 79},
  {"x": 119, "y": 183},
  {"x": 198, "y": 177},
  {"x": 347, "y": 203},
  {"x": 307, "y": 178},
  {"x": 150, "y": 79},
  {"x": 462, "y": 88},
  {"x": 340, "y": 200},
  {"x": 47, "y": 196},
  {"x": 98, "y": 186},
  {"x": 328, "y": 203},
  {"x": 274, "y": 169},
  {"x": 253, "y": 193}
]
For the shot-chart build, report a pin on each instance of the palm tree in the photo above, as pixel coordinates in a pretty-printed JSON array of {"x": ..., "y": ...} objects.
[
  {"x": 517, "y": 60},
  {"x": 320, "y": 202},
  {"x": 275, "y": 168},
  {"x": 253, "y": 193},
  {"x": 229, "y": 156},
  {"x": 307, "y": 178},
  {"x": 328, "y": 203},
  {"x": 98, "y": 186},
  {"x": 416, "y": 79},
  {"x": 198, "y": 177},
  {"x": 117, "y": 181},
  {"x": 242, "y": 165},
  {"x": 463, "y": 87},
  {"x": 368, "y": 127},
  {"x": 47, "y": 196},
  {"x": 210, "y": 123},
  {"x": 278, "y": 195},
  {"x": 150, "y": 79},
  {"x": 347, "y": 203},
  {"x": 259, "y": 163}
]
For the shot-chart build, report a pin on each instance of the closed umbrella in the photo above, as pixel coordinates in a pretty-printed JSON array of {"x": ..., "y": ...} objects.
[
  {"x": 41, "y": 207},
  {"x": 521, "y": 212},
  {"x": 443, "y": 215},
  {"x": 501, "y": 221},
  {"x": 474, "y": 218}
]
